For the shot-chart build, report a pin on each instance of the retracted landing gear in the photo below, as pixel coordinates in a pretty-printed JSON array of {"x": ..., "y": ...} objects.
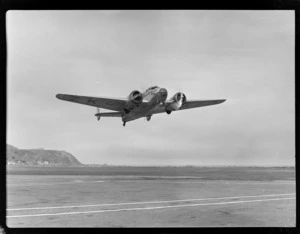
[
  {"x": 168, "y": 112},
  {"x": 98, "y": 115},
  {"x": 148, "y": 118}
]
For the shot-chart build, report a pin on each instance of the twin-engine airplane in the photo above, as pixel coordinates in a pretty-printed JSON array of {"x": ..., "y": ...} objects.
[{"x": 138, "y": 105}]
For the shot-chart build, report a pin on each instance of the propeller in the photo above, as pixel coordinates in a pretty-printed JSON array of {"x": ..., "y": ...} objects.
[
  {"x": 147, "y": 84},
  {"x": 179, "y": 88},
  {"x": 143, "y": 87}
]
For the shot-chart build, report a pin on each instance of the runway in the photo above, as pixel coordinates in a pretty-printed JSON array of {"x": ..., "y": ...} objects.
[{"x": 154, "y": 201}]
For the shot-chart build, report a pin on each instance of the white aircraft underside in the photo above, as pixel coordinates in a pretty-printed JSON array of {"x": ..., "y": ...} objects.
[{"x": 138, "y": 105}]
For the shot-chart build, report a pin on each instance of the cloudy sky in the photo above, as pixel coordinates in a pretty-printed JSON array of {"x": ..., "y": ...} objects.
[{"x": 246, "y": 57}]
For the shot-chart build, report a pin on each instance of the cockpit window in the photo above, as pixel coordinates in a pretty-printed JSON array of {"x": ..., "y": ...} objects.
[
  {"x": 151, "y": 88},
  {"x": 154, "y": 87}
]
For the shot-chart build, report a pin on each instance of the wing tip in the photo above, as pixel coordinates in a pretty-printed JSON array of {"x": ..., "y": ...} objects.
[
  {"x": 220, "y": 101},
  {"x": 59, "y": 96}
]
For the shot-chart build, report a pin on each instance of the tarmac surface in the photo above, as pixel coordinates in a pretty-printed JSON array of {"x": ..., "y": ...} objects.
[{"x": 171, "y": 200}]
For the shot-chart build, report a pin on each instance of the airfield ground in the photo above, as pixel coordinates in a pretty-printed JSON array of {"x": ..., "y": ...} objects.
[{"x": 151, "y": 197}]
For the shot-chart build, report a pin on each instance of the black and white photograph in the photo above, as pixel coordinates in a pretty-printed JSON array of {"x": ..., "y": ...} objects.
[{"x": 150, "y": 118}]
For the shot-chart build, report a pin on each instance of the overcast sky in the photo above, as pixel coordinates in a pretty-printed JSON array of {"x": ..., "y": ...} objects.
[{"x": 246, "y": 57}]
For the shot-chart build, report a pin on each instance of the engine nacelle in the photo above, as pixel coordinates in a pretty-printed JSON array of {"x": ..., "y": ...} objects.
[
  {"x": 176, "y": 102},
  {"x": 135, "y": 98}
]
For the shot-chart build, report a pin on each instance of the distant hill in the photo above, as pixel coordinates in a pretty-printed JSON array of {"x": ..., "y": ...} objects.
[{"x": 15, "y": 156}]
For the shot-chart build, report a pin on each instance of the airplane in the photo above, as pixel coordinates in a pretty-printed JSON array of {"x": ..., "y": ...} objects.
[{"x": 138, "y": 105}]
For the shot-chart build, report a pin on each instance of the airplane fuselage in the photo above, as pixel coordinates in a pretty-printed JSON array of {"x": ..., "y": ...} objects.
[{"x": 154, "y": 97}]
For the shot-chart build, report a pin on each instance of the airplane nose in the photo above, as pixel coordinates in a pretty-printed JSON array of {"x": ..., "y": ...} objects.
[{"x": 163, "y": 92}]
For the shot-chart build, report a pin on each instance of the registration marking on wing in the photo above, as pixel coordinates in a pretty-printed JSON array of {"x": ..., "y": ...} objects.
[{"x": 90, "y": 100}]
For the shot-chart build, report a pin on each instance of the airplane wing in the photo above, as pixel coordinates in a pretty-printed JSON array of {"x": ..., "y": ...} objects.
[
  {"x": 192, "y": 104},
  {"x": 101, "y": 102}
]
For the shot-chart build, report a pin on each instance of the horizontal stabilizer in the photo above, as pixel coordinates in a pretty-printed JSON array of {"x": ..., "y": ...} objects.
[{"x": 109, "y": 114}]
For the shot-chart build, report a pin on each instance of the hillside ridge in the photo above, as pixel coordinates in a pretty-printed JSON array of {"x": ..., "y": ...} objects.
[{"x": 40, "y": 156}]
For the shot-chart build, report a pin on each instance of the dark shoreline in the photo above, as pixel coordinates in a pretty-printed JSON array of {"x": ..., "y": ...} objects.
[
  {"x": 135, "y": 166},
  {"x": 203, "y": 173}
]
